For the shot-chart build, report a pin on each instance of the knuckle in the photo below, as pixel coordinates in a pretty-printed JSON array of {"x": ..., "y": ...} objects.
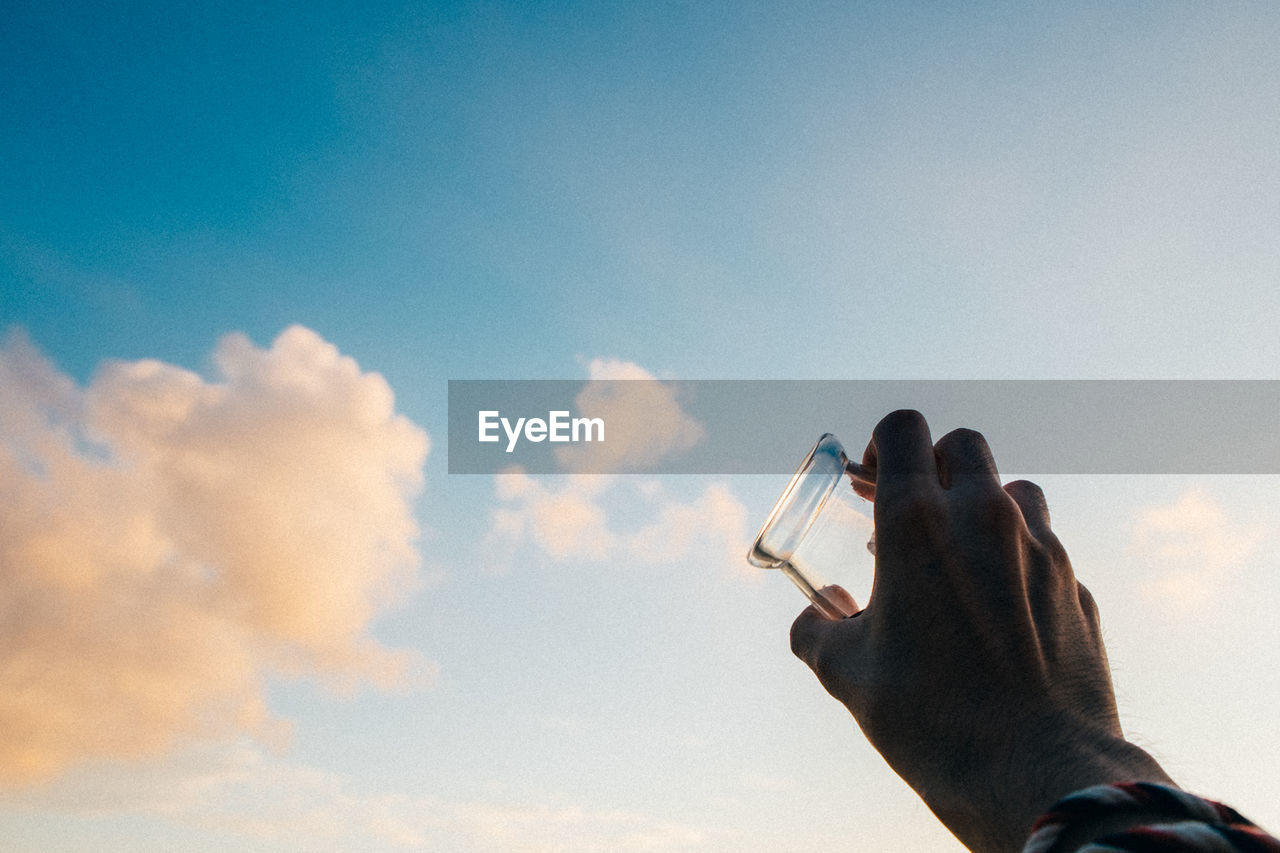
[
  {"x": 1048, "y": 576},
  {"x": 825, "y": 650},
  {"x": 1054, "y": 548},
  {"x": 828, "y": 659},
  {"x": 912, "y": 506},
  {"x": 993, "y": 508},
  {"x": 1087, "y": 603}
]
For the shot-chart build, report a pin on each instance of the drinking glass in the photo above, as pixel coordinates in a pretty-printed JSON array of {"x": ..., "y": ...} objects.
[{"x": 819, "y": 532}]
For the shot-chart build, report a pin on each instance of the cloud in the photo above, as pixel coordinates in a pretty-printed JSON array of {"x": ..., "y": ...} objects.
[
  {"x": 1196, "y": 549},
  {"x": 564, "y": 522},
  {"x": 169, "y": 541},
  {"x": 576, "y": 517},
  {"x": 240, "y": 790},
  {"x": 717, "y": 519},
  {"x": 644, "y": 420}
]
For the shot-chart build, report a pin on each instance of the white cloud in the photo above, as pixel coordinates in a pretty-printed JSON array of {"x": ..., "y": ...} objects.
[
  {"x": 716, "y": 518},
  {"x": 1195, "y": 549},
  {"x": 243, "y": 791},
  {"x": 576, "y": 516},
  {"x": 168, "y": 541},
  {"x": 644, "y": 420},
  {"x": 568, "y": 518}
]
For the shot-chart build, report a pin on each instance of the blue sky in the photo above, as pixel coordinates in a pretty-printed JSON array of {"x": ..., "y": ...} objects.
[{"x": 717, "y": 191}]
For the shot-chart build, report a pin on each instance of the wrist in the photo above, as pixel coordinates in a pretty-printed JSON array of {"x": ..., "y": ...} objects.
[{"x": 994, "y": 809}]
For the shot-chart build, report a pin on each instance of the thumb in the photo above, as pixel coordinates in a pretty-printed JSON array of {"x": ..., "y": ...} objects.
[
  {"x": 807, "y": 633},
  {"x": 813, "y": 630}
]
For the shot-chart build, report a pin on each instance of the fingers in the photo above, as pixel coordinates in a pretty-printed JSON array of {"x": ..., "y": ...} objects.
[
  {"x": 1035, "y": 512},
  {"x": 900, "y": 450},
  {"x": 908, "y": 499},
  {"x": 964, "y": 459},
  {"x": 1030, "y": 499}
]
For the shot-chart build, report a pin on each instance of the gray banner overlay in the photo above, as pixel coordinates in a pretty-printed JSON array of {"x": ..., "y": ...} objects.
[{"x": 766, "y": 426}]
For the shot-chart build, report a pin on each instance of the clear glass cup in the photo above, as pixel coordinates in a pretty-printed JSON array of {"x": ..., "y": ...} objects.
[{"x": 819, "y": 532}]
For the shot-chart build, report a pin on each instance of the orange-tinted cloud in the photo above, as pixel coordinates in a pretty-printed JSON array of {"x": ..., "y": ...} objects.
[
  {"x": 575, "y": 516},
  {"x": 168, "y": 541},
  {"x": 644, "y": 418},
  {"x": 1195, "y": 547}
]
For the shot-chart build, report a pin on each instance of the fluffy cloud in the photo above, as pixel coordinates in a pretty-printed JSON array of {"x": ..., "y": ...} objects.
[
  {"x": 646, "y": 422},
  {"x": 1195, "y": 547},
  {"x": 167, "y": 541},
  {"x": 571, "y": 520},
  {"x": 564, "y": 522},
  {"x": 577, "y": 516}
]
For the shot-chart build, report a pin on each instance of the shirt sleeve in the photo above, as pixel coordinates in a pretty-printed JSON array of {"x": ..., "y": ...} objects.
[{"x": 1151, "y": 819}]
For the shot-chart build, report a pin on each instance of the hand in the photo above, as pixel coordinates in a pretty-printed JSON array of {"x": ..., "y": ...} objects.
[{"x": 977, "y": 668}]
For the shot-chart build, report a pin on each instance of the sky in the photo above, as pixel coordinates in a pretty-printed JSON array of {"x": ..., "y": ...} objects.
[{"x": 243, "y": 248}]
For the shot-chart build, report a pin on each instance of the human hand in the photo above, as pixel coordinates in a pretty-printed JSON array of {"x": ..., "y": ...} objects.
[{"x": 977, "y": 668}]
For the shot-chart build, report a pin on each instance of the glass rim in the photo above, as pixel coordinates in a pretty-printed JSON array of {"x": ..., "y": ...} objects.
[{"x": 757, "y": 555}]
